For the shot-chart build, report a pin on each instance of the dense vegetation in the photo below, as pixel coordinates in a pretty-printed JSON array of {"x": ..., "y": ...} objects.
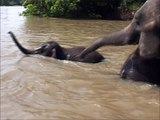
[
  {"x": 104, "y": 9},
  {"x": 11, "y": 2}
]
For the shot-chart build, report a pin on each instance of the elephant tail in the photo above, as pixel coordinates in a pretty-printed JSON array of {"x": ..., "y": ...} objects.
[{"x": 21, "y": 48}]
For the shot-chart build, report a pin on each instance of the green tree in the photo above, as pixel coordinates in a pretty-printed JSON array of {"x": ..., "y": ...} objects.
[
  {"x": 11, "y": 2},
  {"x": 132, "y": 4},
  {"x": 107, "y": 9},
  {"x": 57, "y": 8}
]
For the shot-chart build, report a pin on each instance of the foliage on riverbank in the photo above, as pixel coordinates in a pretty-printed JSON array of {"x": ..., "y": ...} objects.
[
  {"x": 104, "y": 9},
  {"x": 11, "y": 2}
]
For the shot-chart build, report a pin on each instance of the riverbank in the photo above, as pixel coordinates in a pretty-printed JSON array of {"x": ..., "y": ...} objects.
[{"x": 80, "y": 9}]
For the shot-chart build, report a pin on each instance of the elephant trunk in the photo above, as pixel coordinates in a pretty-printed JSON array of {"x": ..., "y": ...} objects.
[{"x": 21, "y": 48}]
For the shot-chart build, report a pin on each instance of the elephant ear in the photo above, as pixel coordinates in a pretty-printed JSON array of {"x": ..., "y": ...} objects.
[
  {"x": 153, "y": 25},
  {"x": 54, "y": 55},
  {"x": 149, "y": 43}
]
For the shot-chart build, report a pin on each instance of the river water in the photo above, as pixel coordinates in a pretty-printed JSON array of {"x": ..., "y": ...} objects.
[{"x": 36, "y": 87}]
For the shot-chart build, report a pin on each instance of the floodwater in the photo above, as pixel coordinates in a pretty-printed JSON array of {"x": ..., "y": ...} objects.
[{"x": 36, "y": 87}]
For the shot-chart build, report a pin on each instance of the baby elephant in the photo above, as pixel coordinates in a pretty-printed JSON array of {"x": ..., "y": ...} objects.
[{"x": 53, "y": 49}]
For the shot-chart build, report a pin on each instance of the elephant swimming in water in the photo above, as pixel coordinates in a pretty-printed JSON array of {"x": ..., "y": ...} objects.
[
  {"x": 144, "y": 63},
  {"x": 54, "y": 50}
]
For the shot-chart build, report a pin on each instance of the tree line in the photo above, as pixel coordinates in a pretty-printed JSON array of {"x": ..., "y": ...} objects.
[
  {"x": 11, "y": 2},
  {"x": 102, "y": 9}
]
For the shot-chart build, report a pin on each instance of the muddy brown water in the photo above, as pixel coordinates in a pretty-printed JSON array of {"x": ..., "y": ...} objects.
[{"x": 36, "y": 87}]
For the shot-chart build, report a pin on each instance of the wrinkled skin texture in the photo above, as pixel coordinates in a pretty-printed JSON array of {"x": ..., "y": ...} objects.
[
  {"x": 139, "y": 69},
  {"x": 144, "y": 63},
  {"x": 149, "y": 43},
  {"x": 54, "y": 50},
  {"x": 143, "y": 30}
]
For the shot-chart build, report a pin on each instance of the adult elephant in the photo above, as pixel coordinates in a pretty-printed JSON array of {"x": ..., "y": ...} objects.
[{"x": 144, "y": 63}]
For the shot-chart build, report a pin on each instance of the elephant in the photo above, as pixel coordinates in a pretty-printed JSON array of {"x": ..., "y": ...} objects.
[
  {"x": 54, "y": 50},
  {"x": 143, "y": 64}
]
